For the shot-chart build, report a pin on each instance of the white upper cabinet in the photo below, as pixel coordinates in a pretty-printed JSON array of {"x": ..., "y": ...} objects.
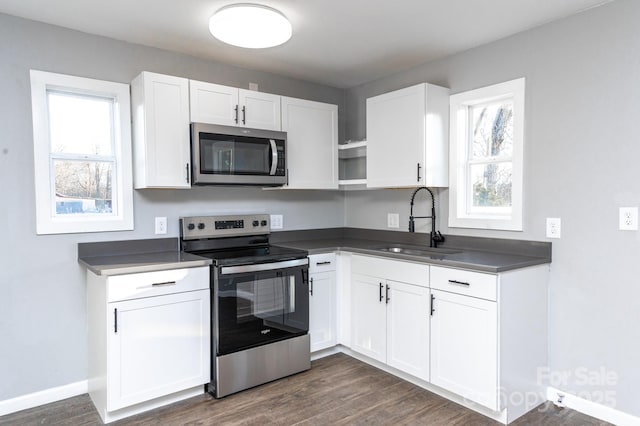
[
  {"x": 407, "y": 137},
  {"x": 160, "y": 109},
  {"x": 230, "y": 106},
  {"x": 259, "y": 110},
  {"x": 312, "y": 143}
]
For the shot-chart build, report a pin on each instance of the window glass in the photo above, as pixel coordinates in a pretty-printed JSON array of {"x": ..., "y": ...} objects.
[
  {"x": 83, "y": 187},
  {"x": 491, "y": 185},
  {"x": 492, "y": 129}
]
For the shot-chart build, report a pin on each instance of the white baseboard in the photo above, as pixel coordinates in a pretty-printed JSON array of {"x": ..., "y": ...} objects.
[
  {"x": 46, "y": 396},
  {"x": 593, "y": 409}
]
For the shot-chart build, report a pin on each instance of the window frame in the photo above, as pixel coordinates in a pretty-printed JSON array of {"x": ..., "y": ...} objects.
[
  {"x": 47, "y": 222},
  {"x": 461, "y": 215}
]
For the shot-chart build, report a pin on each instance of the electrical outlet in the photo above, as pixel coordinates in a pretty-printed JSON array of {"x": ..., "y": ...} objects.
[
  {"x": 628, "y": 219},
  {"x": 553, "y": 227},
  {"x": 393, "y": 220},
  {"x": 277, "y": 221},
  {"x": 253, "y": 86},
  {"x": 161, "y": 225}
]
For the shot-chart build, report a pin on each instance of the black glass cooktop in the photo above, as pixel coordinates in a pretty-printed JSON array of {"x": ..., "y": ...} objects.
[{"x": 252, "y": 255}]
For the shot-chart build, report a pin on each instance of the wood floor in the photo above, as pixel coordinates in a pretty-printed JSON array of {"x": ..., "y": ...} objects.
[{"x": 338, "y": 390}]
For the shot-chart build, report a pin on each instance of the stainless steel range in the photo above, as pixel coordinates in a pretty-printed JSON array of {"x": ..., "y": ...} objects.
[{"x": 259, "y": 301}]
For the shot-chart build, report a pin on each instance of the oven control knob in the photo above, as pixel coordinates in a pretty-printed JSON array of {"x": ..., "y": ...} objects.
[
  {"x": 201, "y": 226},
  {"x": 255, "y": 223},
  {"x": 263, "y": 223},
  {"x": 191, "y": 227}
]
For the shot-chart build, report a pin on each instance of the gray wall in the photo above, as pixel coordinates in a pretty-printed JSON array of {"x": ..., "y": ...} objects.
[
  {"x": 581, "y": 164},
  {"x": 42, "y": 290}
]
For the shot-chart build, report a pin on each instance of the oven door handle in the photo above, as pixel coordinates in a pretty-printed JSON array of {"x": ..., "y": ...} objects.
[
  {"x": 274, "y": 157},
  {"x": 226, "y": 270}
]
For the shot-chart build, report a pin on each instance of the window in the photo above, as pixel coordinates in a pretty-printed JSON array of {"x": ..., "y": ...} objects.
[
  {"x": 486, "y": 155},
  {"x": 82, "y": 154}
]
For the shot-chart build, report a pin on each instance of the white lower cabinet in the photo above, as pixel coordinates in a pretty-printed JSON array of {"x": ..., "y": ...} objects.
[
  {"x": 480, "y": 336},
  {"x": 322, "y": 301},
  {"x": 368, "y": 317},
  {"x": 464, "y": 347},
  {"x": 149, "y": 338},
  {"x": 389, "y": 317}
]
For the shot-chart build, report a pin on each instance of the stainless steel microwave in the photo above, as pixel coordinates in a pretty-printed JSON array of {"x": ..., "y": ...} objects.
[{"x": 227, "y": 155}]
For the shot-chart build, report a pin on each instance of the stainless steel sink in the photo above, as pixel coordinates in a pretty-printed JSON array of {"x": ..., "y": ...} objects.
[{"x": 417, "y": 251}]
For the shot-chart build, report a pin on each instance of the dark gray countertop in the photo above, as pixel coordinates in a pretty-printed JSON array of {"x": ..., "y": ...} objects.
[
  {"x": 134, "y": 256},
  {"x": 474, "y": 253}
]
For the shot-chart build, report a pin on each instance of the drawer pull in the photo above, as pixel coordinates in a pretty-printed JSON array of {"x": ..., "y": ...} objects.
[
  {"x": 459, "y": 282},
  {"x": 323, "y": 263},
  {"x": 115, "y": 320},
  {"x": 311, "y": 286},
  {"x": 380, "y": 293},
  {"x": 387, "y": 295},
  {"x": 163, "y": 284},
  {"x": 433, "y": 298}
]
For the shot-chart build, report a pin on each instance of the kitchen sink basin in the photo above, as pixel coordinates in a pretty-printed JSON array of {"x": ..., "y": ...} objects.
[{"x": 417, "y": 251}]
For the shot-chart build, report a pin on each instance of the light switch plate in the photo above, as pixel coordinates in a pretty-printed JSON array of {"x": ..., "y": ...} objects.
[{"x": 277, "y": 221}]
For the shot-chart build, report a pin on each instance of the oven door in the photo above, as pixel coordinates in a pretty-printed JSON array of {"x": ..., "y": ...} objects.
[{"x": 259, "y": 304}]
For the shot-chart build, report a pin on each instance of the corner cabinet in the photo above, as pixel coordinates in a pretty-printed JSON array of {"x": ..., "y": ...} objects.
[
  {"x": 407, "y": 137},
  {"x": 229, "y": 106},
  {"x": 390, "y": 313},
  {"x": 161, "y": 141},
  {"x": 312, "y": 143},
  {"x": 148, "y": 339}
]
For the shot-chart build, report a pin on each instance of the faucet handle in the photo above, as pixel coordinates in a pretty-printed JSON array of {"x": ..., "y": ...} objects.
[{"x": 437, "y": 237}]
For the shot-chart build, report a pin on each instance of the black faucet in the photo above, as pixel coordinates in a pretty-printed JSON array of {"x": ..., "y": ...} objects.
[{"x": 435, "y": 236}]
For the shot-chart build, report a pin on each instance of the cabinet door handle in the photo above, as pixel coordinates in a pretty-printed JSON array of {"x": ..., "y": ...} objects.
[
  {"x": 163, "y": 284},
  {"x": 323, "y": 263},
  {"x": 115, "y": 320},
  {"x": 459, "y": 282},
  {"x": 380, "y": 300},
  {"x": 311, "y": 286},
  {"x": 419, "y": 167},
  {"x": 432, "y": 308},
  {"x": 188, "y": 174},
  {"x": 386, "y": 294},
  {"x": 236, "y": 110},
  {"x": 244, "y": 115}
]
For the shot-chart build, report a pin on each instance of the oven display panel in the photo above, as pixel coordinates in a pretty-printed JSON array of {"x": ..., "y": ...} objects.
[{"x": 229, "y": 224}]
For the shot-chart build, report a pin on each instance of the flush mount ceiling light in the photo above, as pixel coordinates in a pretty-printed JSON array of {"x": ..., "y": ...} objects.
[{"x": 250, "y": 25}]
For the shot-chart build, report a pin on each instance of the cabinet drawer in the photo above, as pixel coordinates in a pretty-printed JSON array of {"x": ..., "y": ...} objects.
[
  {"x": 394, "y": 270},
  {"x": 147, "y": 284},
  {"x": 475, "y": 284},
  {"x": 322, "y": 262}
]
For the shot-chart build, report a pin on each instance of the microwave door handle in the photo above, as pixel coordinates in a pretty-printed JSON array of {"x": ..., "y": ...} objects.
[{"x": 274, "y": 157}]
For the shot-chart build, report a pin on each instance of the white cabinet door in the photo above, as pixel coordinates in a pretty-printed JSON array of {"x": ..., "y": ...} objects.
[
  {"x": 259, "y": 110},
  {"x": 408, "y": 311},
  {"x": 312, "y": 143},
  {"x": 157, "y": 346},
  {"x": 230, "y": 106},
  {"x": 368, "y": 317},
  {"x": 464, "y": 345},
  {"x": 322, "y": 310},
  {"x": 161, "y": 141},
  {"x": 407, "y": 137},
  {"x": 213, "y": 103}
]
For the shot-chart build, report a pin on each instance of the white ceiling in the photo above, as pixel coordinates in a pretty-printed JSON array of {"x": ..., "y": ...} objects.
[{"x": 340, "y": 43}]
